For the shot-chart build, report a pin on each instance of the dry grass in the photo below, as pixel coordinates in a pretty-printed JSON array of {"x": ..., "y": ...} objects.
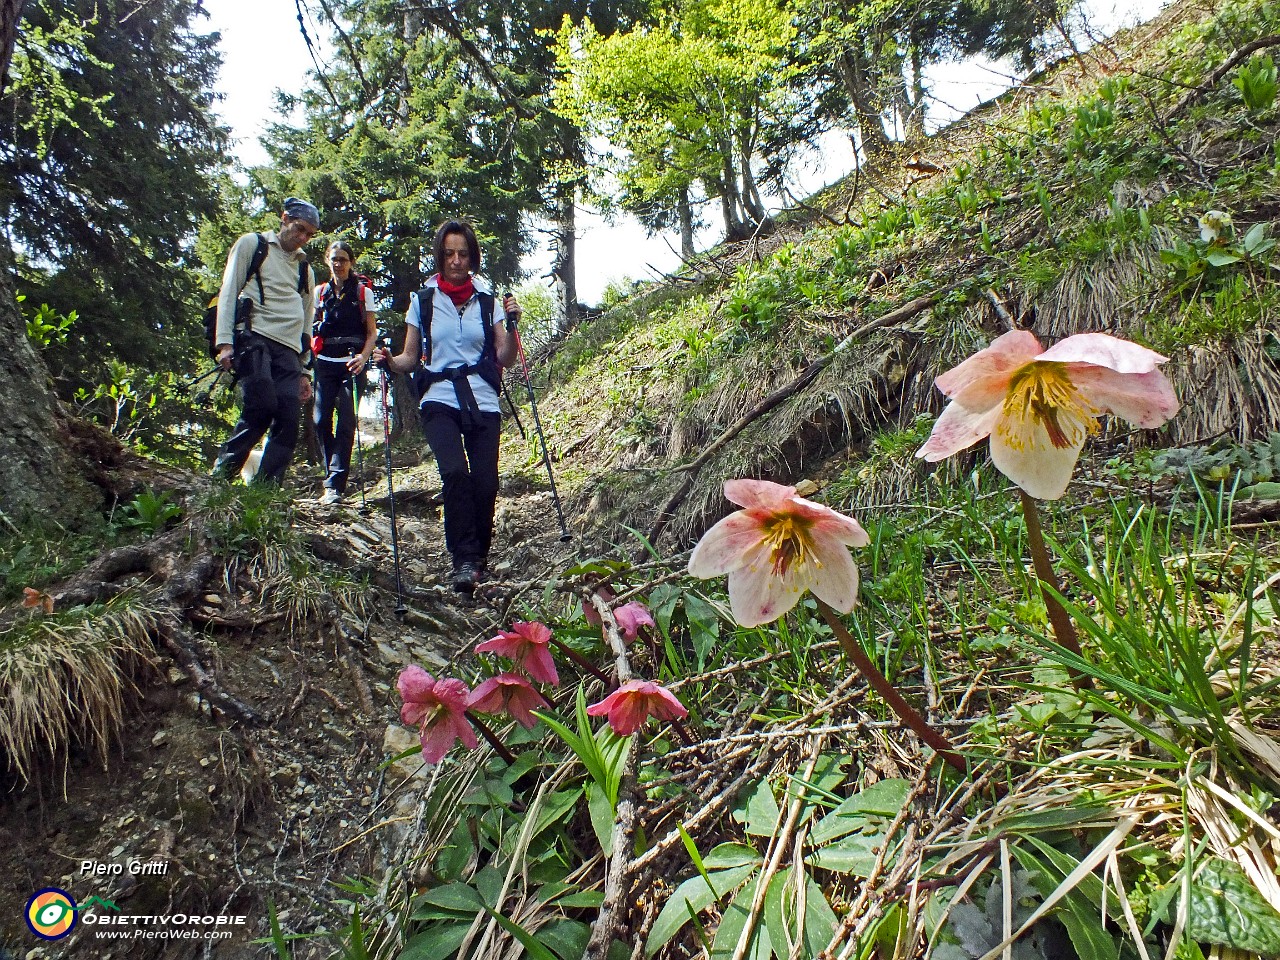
[{"x": 64, "y": 679}]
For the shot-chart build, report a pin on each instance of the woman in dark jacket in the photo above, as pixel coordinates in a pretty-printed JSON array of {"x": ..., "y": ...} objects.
[
  {"x": 343, "y": 337},
  {"x": 467, "y": 343}
]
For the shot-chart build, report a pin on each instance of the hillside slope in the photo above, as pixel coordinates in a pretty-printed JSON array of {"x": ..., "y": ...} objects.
[{"x": 1069, "y": 204}]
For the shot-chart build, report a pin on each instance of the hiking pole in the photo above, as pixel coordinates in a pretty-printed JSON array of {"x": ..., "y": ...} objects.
[
  {"x": 186, "y": 385},
  {"x": 401, "y": 609},
  {"x": 355, "y": 400},
  {"x": 565, "y": 535}
]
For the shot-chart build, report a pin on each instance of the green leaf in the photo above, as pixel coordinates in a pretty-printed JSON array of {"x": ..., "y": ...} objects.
[
  {"x": 488, "y": 883},
  {"x": 436, "y": 943},
  {"x": 704, "y": 626},
  {"x": 1226, "y": 908},
  {"x": 458, "y": 897},
  {"x": 1254, "y": 236},
  {"x": 568, "y": 938},
  {"x": 582, "y": 899},
  {"x": 1268, "y": 490},
  {"x": 691, "y": 898},
  {"x": 1079, "y": 910},
  {"x": 553, "y": 811},
  {"x": 734, "y": 922},
  {"x": 760, "y": 813},
  {"x": 533, "y": 948},
  {"x": 783, "y": 926},
  {"x": 881, "y": 800},
  {"x": 854, "y": 855},
  {"x": 731, "y": 855},
  {"x": 820, "y": 921},
  {"x": 1041, "y": 820},
  {"x": 602, "y": 817},
  {"x": 1222, "y": 258}
]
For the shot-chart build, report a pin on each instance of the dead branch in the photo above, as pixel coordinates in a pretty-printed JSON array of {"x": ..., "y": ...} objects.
[{"x": 1191, "y": 96}]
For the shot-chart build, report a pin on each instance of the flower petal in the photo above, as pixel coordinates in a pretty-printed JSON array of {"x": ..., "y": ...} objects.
[
  {"x": 629, "y": 714},
  {"x": 765, "y": 494},
  {"x": 1144, "y": 399},
  {"x": 983, "y": 379},
  {"x": 504, "y": 645},
  {"x": 1103, "y": 350},
  {"x": 414, "y": 684},
  {"x": 757, "y": 595},
  {"x": 836, "y": 580},
  {"x": 487, "y": 697},
  {"x": 540, "y": 665},
  {"x": 725, "y": 546},
  {"x": 631, "y": 617},
  {"x": 604, "y": 706},
  {"x": 1022, "y": 451},
  {"x": 533, "y": 631},
  {"x": 958, "y": 428},
  {"x": 832, "y": 523}
]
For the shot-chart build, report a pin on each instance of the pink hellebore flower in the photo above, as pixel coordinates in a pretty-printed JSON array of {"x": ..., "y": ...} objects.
[
  {"x": 1038, "y": 405},
  {"x": 631, "y": 617},
  {"x": 526, "y": 646},
  {"x": 777, "y": 547},
  {"x": 438, "y": 709},
  {"x": 508, "y": 693},
  {"x": 636, "y": 701}
]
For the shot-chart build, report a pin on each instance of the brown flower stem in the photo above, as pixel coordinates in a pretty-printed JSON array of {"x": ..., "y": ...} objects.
[
  {"x": 492, "y": 738},
  {"x": 1063, "y": 629},
  {"x": 906, "y": 713},
  {"x": 683, "y": 733},
  {"x": 582, "y": 661}
]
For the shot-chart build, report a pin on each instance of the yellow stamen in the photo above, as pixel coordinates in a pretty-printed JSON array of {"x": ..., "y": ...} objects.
[
  {"x": 1043, "y": 392},
  {"x": 789, "y": 542}
]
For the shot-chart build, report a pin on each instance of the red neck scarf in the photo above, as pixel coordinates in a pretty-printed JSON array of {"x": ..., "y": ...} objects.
[{"x": 459, "y": 293}]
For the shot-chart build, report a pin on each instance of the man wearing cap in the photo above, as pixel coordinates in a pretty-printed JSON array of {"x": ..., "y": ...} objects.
[{"x": 270, "y": 346}]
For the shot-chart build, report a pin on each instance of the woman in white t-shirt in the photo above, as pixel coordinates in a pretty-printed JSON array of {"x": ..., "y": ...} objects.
[
  {"x": 343, "y": 337},
  {"x": 466, "y": 347}
]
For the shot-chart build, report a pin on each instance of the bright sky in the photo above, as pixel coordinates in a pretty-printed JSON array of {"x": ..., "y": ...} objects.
[{"x": 265, "y": 51}]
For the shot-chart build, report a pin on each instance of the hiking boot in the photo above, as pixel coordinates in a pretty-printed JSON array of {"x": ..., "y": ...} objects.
[
  {"x": 329, "y": 497},
  {"x": 464, "y": 578}
]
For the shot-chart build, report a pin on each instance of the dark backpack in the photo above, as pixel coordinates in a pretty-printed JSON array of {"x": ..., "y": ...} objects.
[
  {"x": 323, "y": 329},
  {"x": 255, "y": 270},
  {"x": 486, "y": 365}
]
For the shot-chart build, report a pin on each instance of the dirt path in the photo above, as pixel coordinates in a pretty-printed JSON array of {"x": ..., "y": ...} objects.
[{"x": 192, "y": 817}]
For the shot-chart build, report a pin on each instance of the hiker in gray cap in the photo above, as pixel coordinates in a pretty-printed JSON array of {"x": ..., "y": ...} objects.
[{"x": 263, "y": 334}]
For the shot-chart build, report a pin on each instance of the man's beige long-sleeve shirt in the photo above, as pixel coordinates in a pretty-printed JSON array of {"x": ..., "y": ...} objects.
[{"x": 282, "y": 314}]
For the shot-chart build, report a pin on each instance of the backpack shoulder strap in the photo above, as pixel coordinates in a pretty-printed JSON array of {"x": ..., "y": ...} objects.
[
  {"x": 486, "y": 320},
  {"x": 426, "y": 311},
  {"x": 302, "y": 278},
  {"x": 255, "y": 267}
]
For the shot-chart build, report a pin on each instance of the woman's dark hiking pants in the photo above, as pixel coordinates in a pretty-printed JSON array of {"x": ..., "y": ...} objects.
[
  {"x": 269, "y": 375},
  {"x": 335, "y": 390},
  {"x": 468, "y": 463}
]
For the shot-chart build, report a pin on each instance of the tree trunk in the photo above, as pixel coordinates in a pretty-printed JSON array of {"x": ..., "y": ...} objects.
[
  {"x": 735, "y": 227},
  {"x": 751, "y": 201},
  {"x": 565, "y": 268},
  {"x": 915, "y": 119},
  {"x": 686, "y": 224},
  {"x": 870, "y": 122},
  {"x": 41, "y": 472},
  {"x": 10, "y": 14}
]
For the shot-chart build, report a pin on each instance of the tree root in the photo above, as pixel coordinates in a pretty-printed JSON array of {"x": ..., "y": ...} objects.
[{"x": 181, "y": 646}]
